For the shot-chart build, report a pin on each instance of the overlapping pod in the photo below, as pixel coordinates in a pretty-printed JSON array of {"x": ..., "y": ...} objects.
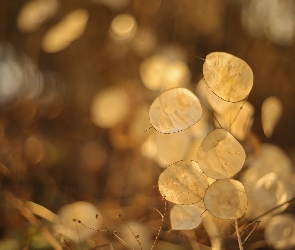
[
  {"x": 185, "y": 217},
  {"x": 220, "y": 155},
  {"x": 229, "y": 77},
  {"x": 280, "y": 231},
  {"x": 226, "y": 199},
  {"x": 175, "y": 110},
  {"x": 183, "y": 182}
]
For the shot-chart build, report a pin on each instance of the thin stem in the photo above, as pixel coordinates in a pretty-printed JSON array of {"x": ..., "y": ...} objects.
[
  {"x": 238, "y": 235},
  {"x": 212, "y": 114},
  {"x": 161, "y": 225},
  {"x": 269, "y": 211},
  {"x": 193, "y": 239},
  {"x": 238, "y": 113}
]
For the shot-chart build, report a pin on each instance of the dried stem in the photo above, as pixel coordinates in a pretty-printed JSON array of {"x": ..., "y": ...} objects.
[{"x": 238, "y": 235}]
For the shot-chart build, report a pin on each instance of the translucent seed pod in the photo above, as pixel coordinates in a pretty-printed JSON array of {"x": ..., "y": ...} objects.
[
  {"x": 271, "y": 191},
  {"x": 271, "y": 159},
  {"x": 266, "y": 193},
  {"x": 183, "y": 182},
  {"x": 185, "y": 217},
  {"x": 226, "y": 199},
  {"x": 229, "y": 77},
  {"x": 171, "y": 147},
  {"x": 219, "y": 105},
  {"x": 280, "y": 231},
  {"x": 175, "y": 110},
  {"x": 220, "y": 155},
  {"x": 238, "y": 119}
]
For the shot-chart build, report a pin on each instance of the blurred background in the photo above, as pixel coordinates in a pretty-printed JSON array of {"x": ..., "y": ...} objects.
[{"x": 77, "y": 79}]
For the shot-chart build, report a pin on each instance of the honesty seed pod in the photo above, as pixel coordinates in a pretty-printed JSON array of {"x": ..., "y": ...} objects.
[
  {"x": 228, "y": 77},
  {"x": 183, "y": 182},
  {"x": 175, "y": 110},
  {"x": 220, "y": 155},
  {"x": 185, "y": 217},
  {"x": 226, "y": 199}
]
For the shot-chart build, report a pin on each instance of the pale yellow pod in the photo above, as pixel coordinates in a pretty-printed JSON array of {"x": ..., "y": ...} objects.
[
  {"x": 185, "y": 217},
  {"x": 280, "y": 231},
  {"x": 219, "y": 105},
  {"x": 271, "y": 159},
  {"x": 271, "y": 111},
  {"x": 226, "y": 199},
  {"x": 229, "y": 77},
  {"x": 175, "y": 110},
  {"x": 183, "y": 182},
  {"x": 238, "y": 119},
  {"x": 220, "y": 155}
]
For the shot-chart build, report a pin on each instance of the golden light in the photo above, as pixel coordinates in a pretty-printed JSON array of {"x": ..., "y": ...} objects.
[
  {"x": 177, "y": 75},
  {"x": 151, "y": 71},
  {"x": 149, "y": 148},
  {"x": 158, "y": 72},
  {"x": 33, "y": 149},
  {"x": 144, "y": 41},
  {"x": 271, "y": 111},
  {"x": 109, "y": 107},
  {"x": 64, "y": 33},
  {"x": 123, "y": 27},
  {"x": 34, "y": 13},
  {"x": 93, "y": 155},
  {"x": 116, "y": 5}
]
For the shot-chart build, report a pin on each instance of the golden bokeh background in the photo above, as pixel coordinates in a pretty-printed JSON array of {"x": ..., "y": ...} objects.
[{"x": 77, "y": 79}]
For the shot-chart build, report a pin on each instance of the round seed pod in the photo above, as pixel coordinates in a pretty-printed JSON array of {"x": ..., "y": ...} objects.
[
  {"x": 220, "y": 155},
  {"x": 183, "y": 182},
  {"x": 185, "y": 217},
  {"x": 175, "y": 110},
  {"x": 280, "y": 231},
  {"x": 229, "y": 77},
  {"x": 226, "y": 199}
]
